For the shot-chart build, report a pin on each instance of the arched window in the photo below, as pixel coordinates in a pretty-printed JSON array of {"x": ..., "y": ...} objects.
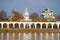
[
  {"x": 27, "y": 26},
  {"x": 16, "y": 25},
  {"x": 4, "y": 25},
  {"x": 49, "y": 25},
  {"x": 21, "y": 25},
  {"x": 0, "y": 25},
  {"x": 38, "y": 25},
  {"x": 43, "y": 25},
  {"x": 32, "y": 25},
  {"x": 55, "y": 26},
  {"x": 10, "y": 25}
]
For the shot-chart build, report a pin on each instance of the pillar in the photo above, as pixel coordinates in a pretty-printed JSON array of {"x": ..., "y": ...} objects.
[
  {"x": 2, "y": 25},
  {"x": 52, "y": 26},
  {"x": 19, "y": 25},
  {"x": 41, "y": 25},
  {"x": 24, "y": 26},
  {"x": 13, "y": 25},
  {"x": 29, "y": 26},
  {"x": 58, "y": 26},
  {"x": 46, "y": 26},
  {"x": 35, "y": 26},
  {"x": 7, "y": 25}
]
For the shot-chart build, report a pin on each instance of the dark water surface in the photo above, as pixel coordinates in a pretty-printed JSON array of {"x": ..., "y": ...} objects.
[{"x": 29, "y": 36}]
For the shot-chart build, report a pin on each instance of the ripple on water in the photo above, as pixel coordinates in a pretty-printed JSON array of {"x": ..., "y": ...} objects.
[{"x": 30, "y": 36}]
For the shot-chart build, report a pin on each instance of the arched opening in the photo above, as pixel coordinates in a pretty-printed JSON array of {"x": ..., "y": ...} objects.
[
  {"x": 27, "y": 26},
  {"x": 55, "y": 26},
  {"x": 32, "y": 25},
  {"x": 38, "y": 25},
  {"x": 44, "y": 25},
  {"x": 10, "y": 25},
  {"x": 59, "y": 25},
  {"x": 4, "y": 25},
  {"x": 0, "y": 25},
  {"x": 16, "y": 25},
  {"x": 21, "y": 25},
  {"x": 49, "y": 25}
]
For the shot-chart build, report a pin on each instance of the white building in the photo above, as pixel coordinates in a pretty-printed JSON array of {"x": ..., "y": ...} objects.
[
  {"x": 26, "y": 16},
  {"x": 49, "y": 15},
  {"x": 27, "y": 23}
]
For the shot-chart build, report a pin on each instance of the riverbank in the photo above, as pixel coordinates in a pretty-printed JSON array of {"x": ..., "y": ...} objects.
[{"x": 16, "y": 30}]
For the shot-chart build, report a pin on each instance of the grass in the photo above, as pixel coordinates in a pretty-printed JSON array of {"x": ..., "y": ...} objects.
[{"x": 16, "y": 30}]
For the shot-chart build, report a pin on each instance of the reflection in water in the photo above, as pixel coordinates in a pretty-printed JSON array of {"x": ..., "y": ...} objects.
[
  {"x": 13, "y": 36},
  {"x": 52, "y": 36},
  {"x": 7, "y": 36},
  {"x": 47, "y": 37},
  {"x": 29, "y": 36},
  {"x": 19, "y": 36},
  {"x": 58, "y": 36},
  {"x": 40, "y": 36},
  {"x": 26, "y": 36},
  {"x": 1, "y": 36},
  {"x": 16, "y": 36}
]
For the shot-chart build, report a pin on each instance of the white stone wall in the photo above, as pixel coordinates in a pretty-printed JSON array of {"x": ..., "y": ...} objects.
[{"x": 30, "y": 23}]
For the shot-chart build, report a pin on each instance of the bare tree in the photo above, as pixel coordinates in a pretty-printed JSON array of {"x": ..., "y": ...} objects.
[
  {"x": 3, "y": 15},
  {"x": 16, "y": 16},
  {"x": 34, "y": 16}
]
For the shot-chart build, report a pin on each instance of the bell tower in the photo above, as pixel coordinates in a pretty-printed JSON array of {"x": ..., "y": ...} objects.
[{"x": 26, "y": 14}]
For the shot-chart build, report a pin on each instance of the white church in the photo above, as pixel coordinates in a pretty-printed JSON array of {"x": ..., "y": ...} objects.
[
  {"x": 26, "y": 22},
  {"x": 49, "y": 15},
  {"x": 26, "y": 16}
]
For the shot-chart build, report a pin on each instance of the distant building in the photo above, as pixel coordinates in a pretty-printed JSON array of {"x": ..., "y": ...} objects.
[
  {"x": 49, "y": 15},
  {"x": 26, "y": 22},
  {"x": 10, "y": 18},
  {"x": 26, "y": 16},
  {"x": 46, "y": 14}
]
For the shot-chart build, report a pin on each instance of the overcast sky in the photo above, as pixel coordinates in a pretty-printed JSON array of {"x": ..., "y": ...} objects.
[{"x": 32, "y": 5}]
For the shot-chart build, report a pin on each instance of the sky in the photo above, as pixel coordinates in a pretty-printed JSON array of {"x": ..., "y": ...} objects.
[{"x": 32, "y": 6}]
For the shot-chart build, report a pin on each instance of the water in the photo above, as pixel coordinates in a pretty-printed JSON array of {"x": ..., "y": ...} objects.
[{"x": 30, "y": 36}]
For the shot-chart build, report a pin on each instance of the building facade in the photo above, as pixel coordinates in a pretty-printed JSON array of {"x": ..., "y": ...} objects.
[
  {"x": 26, "y": 22},
  {"x": 48, "y": 14},
  {"x": 35, "y": 25},
  {"x": 26, "y": 16}
]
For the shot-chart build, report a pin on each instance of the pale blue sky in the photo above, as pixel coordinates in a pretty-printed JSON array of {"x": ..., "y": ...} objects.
[{"x": 32, "y": 5}]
